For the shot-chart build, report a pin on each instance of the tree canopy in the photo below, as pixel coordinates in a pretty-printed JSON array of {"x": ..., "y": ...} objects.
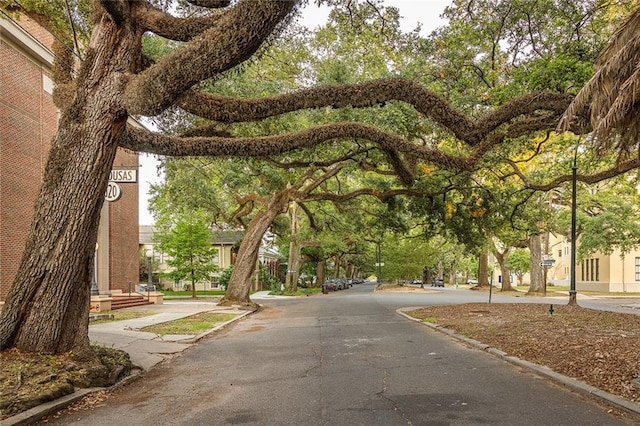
[{"x": 117, "y": 73}]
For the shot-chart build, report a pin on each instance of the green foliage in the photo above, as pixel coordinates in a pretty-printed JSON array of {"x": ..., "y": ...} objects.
[
  {"x": 225, "y": 276},
  {"x": 519, "y": 262},
  {"x": 186, "y": 240},
  {"x": 269, "y": 281},
  {"x": 607, "y": 217}
]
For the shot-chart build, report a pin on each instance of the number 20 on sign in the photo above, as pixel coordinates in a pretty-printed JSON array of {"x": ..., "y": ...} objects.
[{"x": 114, "y": 192}]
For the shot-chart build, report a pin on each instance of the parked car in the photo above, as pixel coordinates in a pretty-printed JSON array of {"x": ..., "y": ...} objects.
[
  {"x": 437, "y": 282},
  {"x": 416, "y": 282},
  {"x": 331, "y": 285},
  {"x": 472, "y": 281}
]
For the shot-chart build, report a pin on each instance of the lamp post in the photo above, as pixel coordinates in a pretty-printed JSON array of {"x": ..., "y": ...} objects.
[
  {"x": 94, "y": 279},
  {"x": 574, "y": 172},
  {"x": 149, "y": 255}
]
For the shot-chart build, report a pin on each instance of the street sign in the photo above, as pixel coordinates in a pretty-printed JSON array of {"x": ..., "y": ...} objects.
[
  {"x": 123, "y": 175},
  {"x": 114, "y": 192}
]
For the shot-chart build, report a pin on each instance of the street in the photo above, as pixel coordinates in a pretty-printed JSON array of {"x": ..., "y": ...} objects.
[{"x": 345, "y": 358}]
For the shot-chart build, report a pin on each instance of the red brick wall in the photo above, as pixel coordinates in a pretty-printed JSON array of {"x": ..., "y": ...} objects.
[
  {"x": 28, "y": 121},
  {"x": 26, "y": 126},
  {"x": 123, "y": 230}
]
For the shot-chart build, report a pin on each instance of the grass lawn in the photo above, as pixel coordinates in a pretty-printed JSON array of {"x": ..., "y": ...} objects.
[
  {"x": 195, "y": 324},
  {"x": 170, "y": 294}
]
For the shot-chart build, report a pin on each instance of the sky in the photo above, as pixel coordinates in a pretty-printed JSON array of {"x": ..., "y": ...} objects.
[{"x": 426, "y": 12}]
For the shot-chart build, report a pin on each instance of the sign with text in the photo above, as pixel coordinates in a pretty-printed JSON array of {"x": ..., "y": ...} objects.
[
  {"x": 114, "y": 192},
  {"x": 123, "y": 175}
]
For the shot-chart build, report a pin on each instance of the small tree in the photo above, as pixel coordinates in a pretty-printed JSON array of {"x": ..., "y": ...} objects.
[
  {"x": 187, "y": 243},
  {"x": 519, "y": 263}
]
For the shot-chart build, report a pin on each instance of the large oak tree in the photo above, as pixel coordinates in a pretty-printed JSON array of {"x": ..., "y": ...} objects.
[{"x": 46, "y": 309}]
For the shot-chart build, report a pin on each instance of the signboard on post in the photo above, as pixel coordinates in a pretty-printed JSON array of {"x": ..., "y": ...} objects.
[{"x": 547, "y": 263}]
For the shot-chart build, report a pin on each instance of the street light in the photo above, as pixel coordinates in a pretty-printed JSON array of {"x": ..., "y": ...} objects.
[
  {"x": 149, "y": 255},
  {"x": 94, "y": 279},
  {"x": 574, "y": 173}
]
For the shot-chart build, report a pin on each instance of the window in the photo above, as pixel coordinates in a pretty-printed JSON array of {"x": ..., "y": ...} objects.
[
  {"x": 586, "y": 275},
  {"x": 592, "y": 262},
  {"x": 582, "y": 274},
  {"x": 560, "y": 253},
  {"x": 637, "y": 268},
  {"x": 597, "y": 269}
]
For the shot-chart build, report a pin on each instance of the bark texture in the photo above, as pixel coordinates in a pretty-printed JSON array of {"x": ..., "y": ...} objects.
[
  {"x": 538, "y": 285},
  {"x": 46, "y": 308},
  {"x": 483, "y": 268},
  {"x": 502, "y": 257},
  {"x": 241, "y": 278}
]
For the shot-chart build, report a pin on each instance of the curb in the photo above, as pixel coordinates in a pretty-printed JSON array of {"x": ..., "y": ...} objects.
[
  {"x": 36, "y": 413},
  {"x": 569, "y": 382}
]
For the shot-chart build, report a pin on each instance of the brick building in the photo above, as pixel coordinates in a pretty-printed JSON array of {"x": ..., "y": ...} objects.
[{"x": 28, "y": 120}]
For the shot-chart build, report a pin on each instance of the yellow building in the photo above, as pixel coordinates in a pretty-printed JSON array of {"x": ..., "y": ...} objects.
[{"x": 599, "y": 272}]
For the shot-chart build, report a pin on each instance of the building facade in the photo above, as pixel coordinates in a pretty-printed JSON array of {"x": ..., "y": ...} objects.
[
  {"x": 225, "y": 242},
  {"x": 28, "y": 123},
  {"x": 600, "y": 272}
]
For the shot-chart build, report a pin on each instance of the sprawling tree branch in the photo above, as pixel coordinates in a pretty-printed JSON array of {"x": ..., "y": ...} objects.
[
  {"x": 142, "y": 140},
  {"x": 227, "y": 109},
  {"x": 235, "y": 38},
  {"x": 317, "y": 163},
  {"x": 400, "y": 167},
  {"x": 310, "y": 216},
  {"x": 618, "y": 169},
  {"x": 165, "y": 25},
  {"x": 372, "y": 192},
  {"x": 322, "y": 178}
]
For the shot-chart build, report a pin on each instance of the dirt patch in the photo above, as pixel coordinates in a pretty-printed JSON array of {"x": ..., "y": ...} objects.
[
  {"x": 597, "y": 347},
  {"x": 28, "y": 379}
]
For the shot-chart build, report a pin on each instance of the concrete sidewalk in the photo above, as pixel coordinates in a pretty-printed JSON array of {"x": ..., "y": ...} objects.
[
  {"x": 148, "y": 349},
  {"x": 145, "y": 349}
]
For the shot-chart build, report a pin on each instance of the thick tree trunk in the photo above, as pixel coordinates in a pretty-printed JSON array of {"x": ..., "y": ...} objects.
[
  {"x": 483, "y": 268},
  {"x": 293, "y": 265},
  {"x": 538, "y": 276},
  {"x": 47, "y": 307},
  {"x": 320, "y": 273},
  {"x": 501, "y": 257},
  {"x": 240, "y": 281}
]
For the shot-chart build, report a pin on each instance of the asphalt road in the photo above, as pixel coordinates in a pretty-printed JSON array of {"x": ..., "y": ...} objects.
[{"x": 340, "y": 359}]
